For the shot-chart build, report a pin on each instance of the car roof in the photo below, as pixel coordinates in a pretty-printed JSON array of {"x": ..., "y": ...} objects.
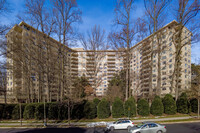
[{"x": 148, "y": 122}]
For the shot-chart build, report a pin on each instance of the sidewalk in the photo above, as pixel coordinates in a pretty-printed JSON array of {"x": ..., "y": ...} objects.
[{"x": 16, "y": 123}]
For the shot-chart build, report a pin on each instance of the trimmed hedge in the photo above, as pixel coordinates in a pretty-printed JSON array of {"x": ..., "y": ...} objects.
[
  {"x": 194, "y": 105},
  {"x": 130, "y": 107},
  {"x": 169, "y": 105},
  {"x": 157, "y": 107},
  {"x": 62, "y": 111},
  {"x": 29, "y": 111},
  {"x": 53, "y": 111},
  {"x": 1, "y": 110},
  {"x": 7, "y": 111},
  {"x": 16, "y": 111},
  {"x": 103, "y": 110},
  {"x": 77, "y": 111},
  {"x": 39, "y": 110},
  {"x": 90, "y": 110},
  {"x": 96, "y": 101},
  {"x": 117, "y": 108},
  {"x": 143, "y": 107},
  {"x": 183, "y": 105}
]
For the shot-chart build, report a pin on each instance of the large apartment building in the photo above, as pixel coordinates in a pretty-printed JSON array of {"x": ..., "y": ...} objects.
[{"x": 28, "y": 47}]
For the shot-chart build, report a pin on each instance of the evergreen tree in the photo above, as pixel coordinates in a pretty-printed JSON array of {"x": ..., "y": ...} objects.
[
  {"x": 157, "y": 107},
  {"x": 183, "y": 105},
  {"x": 143, "y": 107},
  {"x": 117, "y": 108},
  {"x": 169, "y": 105},
  {"x": 103, "y": 110},
  {"x": 130, "y": 107},
  {"x": 90, "y": 110}
]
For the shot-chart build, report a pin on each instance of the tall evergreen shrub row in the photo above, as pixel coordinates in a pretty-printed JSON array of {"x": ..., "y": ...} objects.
[{"x": 100, "y": 108}]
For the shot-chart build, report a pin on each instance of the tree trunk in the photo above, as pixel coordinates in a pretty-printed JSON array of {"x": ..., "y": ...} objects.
[
  {"x": 198, "y": 109},
  {"x": 20, "y": 113},
  {"x": 68, "y": 112}
]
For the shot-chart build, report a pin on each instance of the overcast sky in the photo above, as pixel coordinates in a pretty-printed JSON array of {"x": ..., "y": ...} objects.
[{"x": 100, "y": 12}]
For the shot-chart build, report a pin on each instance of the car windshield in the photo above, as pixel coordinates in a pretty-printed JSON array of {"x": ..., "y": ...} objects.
[{"x": 139, "y": 125}]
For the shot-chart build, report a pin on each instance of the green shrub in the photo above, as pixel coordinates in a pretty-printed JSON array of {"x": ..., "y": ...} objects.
[
  {"x": 7, "y": 111},
  {"x": 130, "y": 107},
  {"x": 117, "y": 108},
  {"x": 29, "y": 111},
  {"x": 157, "y": 108},
  {"x": 16, "y": 111},
  {"x": 39, "y": 111},
  {"x": 143, "y": 107},
  {"x": 77, "y": 111},
  {"x": 96, "y": 101},
  {"x": 103, "y": 110},
  {"x": 53, "y": 111},
  {"x": 183, "y": 104},
  {"x": 62, "y": 111},
  {"x": 194, "y": 105},
  {"x": 90, "y": 110},
  {"x": 169, "y": 105},
  {"x": 1, "y": 110}
]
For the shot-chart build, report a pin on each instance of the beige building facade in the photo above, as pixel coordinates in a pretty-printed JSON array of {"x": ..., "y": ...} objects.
[{"x": 28, "y": 79}]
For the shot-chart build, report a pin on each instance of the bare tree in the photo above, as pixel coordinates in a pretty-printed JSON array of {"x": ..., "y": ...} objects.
[
  {"x": 67, "y": 14},
  {"x": 123, "y": 38},
  {"x": 187, "y": 14},
  {"x": 95, "y": 46},
  {"x": 155, "y": 12}
]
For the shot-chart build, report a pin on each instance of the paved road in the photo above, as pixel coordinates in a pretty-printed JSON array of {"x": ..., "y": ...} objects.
[
  {"x": 171, "y": 128},
  {"x": 25, "y": 123}
]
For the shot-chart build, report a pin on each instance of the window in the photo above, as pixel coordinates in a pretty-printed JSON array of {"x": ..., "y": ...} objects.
[
  {"x": 170, "y": 55},
  {"x": 170, "y": 60},
  {"x": 164, "y": 57},
  {"x": 170, "y": 44},
  {"x": 170, "y": 66},
  {"x": 185, "y": 59},
  {"x": 163, "y": 73},
  {"x": 185, "y": 54},
  {"x": 163, "y": 88},
  {"x": 164, "y": 62},
  {"x": 152, "y": 125}
]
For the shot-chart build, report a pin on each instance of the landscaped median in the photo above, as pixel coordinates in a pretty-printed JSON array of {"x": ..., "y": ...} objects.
[{"x": 179, "y": 118}]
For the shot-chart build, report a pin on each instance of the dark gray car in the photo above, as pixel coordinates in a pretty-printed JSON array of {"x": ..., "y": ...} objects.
[{"x": 148, "y": 128}]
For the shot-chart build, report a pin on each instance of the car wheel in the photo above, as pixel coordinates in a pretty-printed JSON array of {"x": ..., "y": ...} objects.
[
  {"x": 112, "y": 128},
  {"x": 137, "y": 132},
  {"x": 129, "y": 127},
  {"x": 159, "y": 131}
]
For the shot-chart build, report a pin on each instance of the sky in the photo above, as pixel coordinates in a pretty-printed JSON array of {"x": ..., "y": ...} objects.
[{"x": 99, "y": 12}]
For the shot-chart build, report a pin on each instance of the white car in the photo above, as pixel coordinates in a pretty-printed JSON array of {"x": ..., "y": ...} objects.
[
  {"x": 120, "y": 124},
  {"x": 147, "y": 127}
]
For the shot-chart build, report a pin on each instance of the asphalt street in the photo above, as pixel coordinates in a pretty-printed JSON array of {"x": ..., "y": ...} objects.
[{"x": 171, "y": 128}]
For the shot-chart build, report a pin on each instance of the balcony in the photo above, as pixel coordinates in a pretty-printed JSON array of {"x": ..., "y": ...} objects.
[{"x": 110, "y": 59}]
